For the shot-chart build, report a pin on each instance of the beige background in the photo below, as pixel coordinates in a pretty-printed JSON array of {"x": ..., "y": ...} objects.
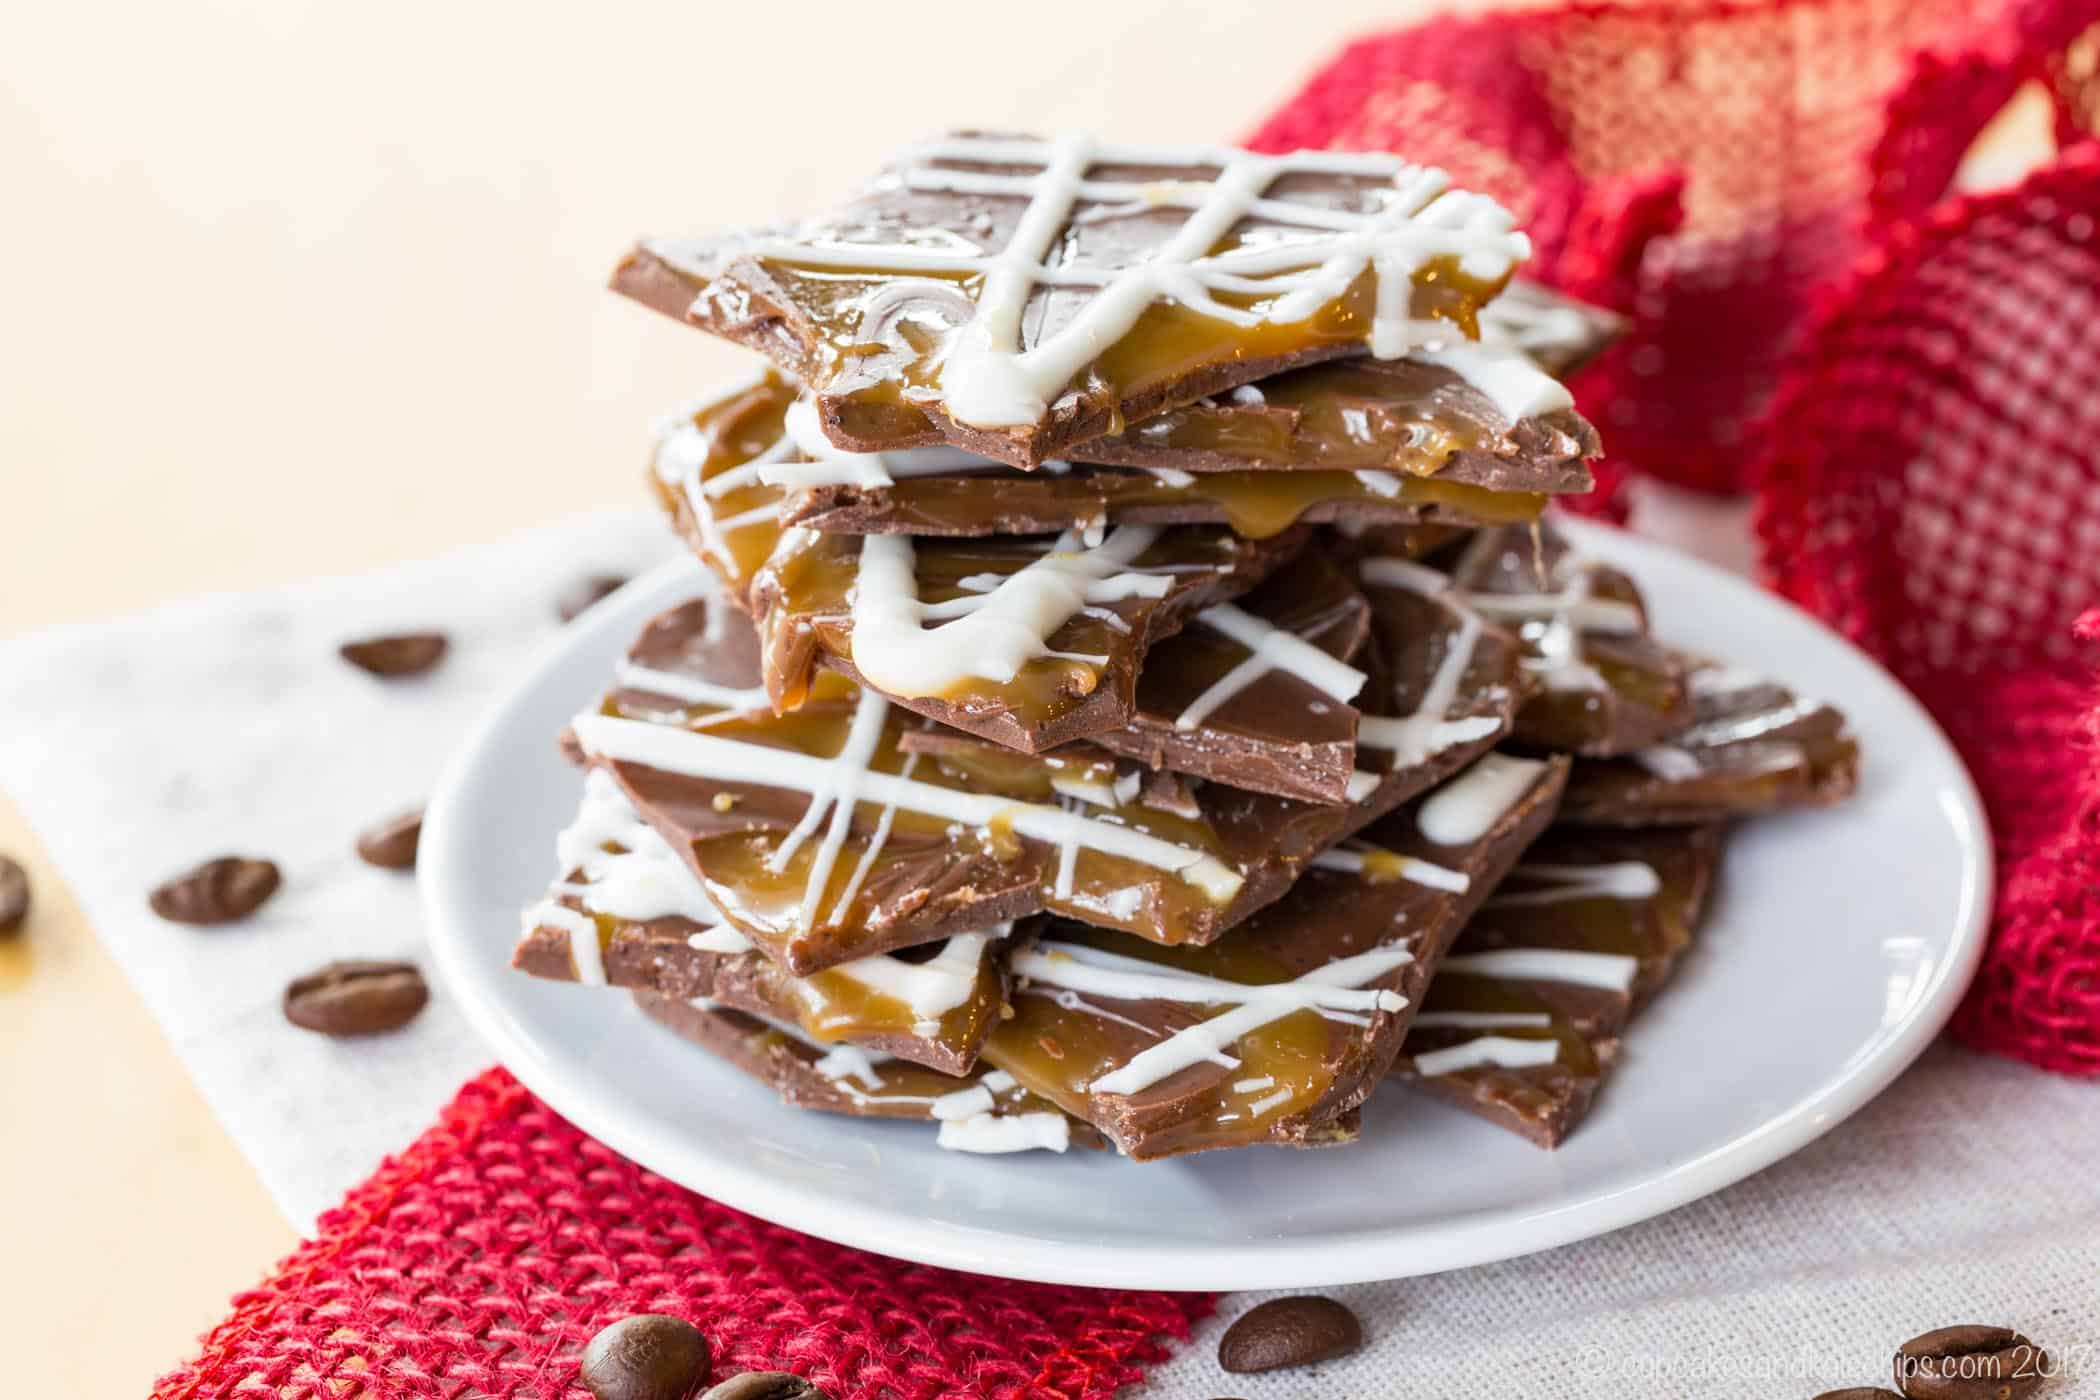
[{"x": 293, "y": 288}]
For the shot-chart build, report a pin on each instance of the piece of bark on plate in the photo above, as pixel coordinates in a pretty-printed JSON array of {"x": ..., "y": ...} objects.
[
  {"x": 1316, "y": 990},
  {"x": 628, "y": 912},
  {"x": 1259, "y": 695},
  {"x": 1031, "y": 642},
  {"x": 1016, "y": 296},
  {"x": 1606, "y": 686},
  {"x": 1524, "y": 1019},
  {"x": 849, "y": 828},
  {"x": 1753, "y": 746},
  {"x": 984, "y": 1111}
]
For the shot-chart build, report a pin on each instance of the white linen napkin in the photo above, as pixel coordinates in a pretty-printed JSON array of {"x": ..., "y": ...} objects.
[{"x": 140, "y": 746}]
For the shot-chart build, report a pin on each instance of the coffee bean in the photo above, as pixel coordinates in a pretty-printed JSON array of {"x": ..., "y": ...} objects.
[
  {"x": 766, "y": 1385},
  {"x": 14, "y": 895},
  {"x": 1860, "y": 1392},
  {"x": 216, "y": 892},
  {"x": 1969, "y": 1363},
  {"x": 585, "y": 591},
  {"x": 646, "y": 1357},
  {"x": 1289, "y": 1332},
  {"x": 409, "y": 654},
  {"x": 391, "y": 845},
  {"x": 356, "y": 998}
]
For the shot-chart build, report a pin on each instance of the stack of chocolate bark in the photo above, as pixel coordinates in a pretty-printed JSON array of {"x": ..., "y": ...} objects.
[{"x": 1141, "y": 701}]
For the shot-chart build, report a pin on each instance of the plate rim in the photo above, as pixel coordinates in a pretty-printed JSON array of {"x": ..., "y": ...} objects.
[{"x": 1326, "y": 1260}]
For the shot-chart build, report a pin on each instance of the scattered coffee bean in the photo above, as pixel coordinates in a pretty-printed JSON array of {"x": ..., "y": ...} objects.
[
  {"x": 1289, "y": 1332},
  {"x": 410, "y": 654},
  {"x": 216, "y": 892},
  {"x": 584, "y": 592},
  {"x": 766, "y": 1385},
  {"x": 391, "y": 845},
  {"x": 646, "y": 1357},
  {"x": 14, "y": 895},
  {"x": 356, "y": 998},
  {"x": 1860, "y": 1392},
  {"x": 1970, "y": 1363}
]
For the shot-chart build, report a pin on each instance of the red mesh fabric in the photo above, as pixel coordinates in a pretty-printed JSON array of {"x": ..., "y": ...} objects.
[
  {"x": 1787, "y": 121},
  {"x": 1931, "y": 486},
  {"x": 479, "y": 1262}
]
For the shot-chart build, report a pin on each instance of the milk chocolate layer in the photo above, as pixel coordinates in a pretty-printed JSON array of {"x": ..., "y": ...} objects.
[
  {"x": 868, "y": 305},
  {"x": 1584, "y": 932},
  {"x": 1410, "y": 416},
  {"x": 1115, "y": 1032},
  {"x": 951, "y": 834},
  {"x": 1278, "y": 732},
  {"x": 1606, "y": 686},
  {"x": 1256, "y": 504},
  {"x": 1084, "y": 683},
  {"x": 978, "y": 1112},
  {"x": 1752, "y": 746}
]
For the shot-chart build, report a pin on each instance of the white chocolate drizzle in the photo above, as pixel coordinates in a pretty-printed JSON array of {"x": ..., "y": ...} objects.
[
  {"x": 1467, "y": 808},
  {"x": 1357, "y": 857},
  {"x": 1499, "y": 1051},
  {"x": 990, "y": 634},
  {"x": 989, "y": 381},
  {"x": 1509, "y": 378},
  {"x": 721, "y": 759},
  {"x": 1611, "y": 972},
  {"x": 1482, "y": 1020},
  {"x": 1007, "y": 1132},
  {"x": 1269, "y": 648},
  {"x": 1553, "y": 883},
  {"x": 1415, "y": 738}
]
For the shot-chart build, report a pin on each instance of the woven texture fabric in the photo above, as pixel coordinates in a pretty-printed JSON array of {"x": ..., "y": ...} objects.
[
  {"x": 481, "y": 1260},
  {"x": 1931, "y": 486},
  {"x": 1707, "y": 167}
]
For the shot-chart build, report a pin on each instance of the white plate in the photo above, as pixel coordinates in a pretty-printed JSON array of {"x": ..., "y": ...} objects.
[{"x": 1838, "y": 946}]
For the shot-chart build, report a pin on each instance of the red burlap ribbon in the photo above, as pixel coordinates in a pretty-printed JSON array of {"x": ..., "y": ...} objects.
[{"x": 479, "y": 1262}]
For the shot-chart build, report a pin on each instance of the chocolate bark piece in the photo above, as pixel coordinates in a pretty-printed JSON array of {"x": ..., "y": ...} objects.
[
  {"x": 1257, "y": 696},
  {"x": 1016, "y": 296},
  {"x": 979, "y": 1112},
  {"x": 1271, "y": 1033},
  {"x": 1419, "y": 416},
  {"x": 705, "y": 473},
  {"x": 628, "y": 912},
  {"x": 1032, "y": 642},
  {"x": 1752, "y": 746},
  {"x": 1606, "y": 686},
  {"x": 849, "y": 828},
  {"x": 1526, "y": 1014}
]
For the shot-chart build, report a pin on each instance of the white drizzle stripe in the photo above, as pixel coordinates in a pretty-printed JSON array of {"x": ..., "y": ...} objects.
[
  {"x": 1081, "y": 968},
  {"x": 1555, "y": 884},
  {"x": 1415, "y": 738},
  {"x": 990, "y": 382},
  {"x": 1481, "y": 1020},
  {"x": 842, "y": 794},
  {"x": 1611, "y": 972},
  {"x": 712, "y": 756},
  {"x": 932, "y": 988},
  {"x": 1270, "y": 648},
  {"x": 1467, "y": 808},
  {"x": 690, "y": 690},
  {"x": 876, "y": 841},
  {"x": 584, "y": 949},
  {"x": 990, "y": 635},
  {"x": 963, "y": 1103},
  {"x": 1207, "y": 1040},
  {"x": 1500, "y": 1051},
  {"x": 719, "y": 939},
  {"x": 1668, "y": 762},
  {"x": 1007, "y": 1132},
  {"x": 1352, "y": 857},
  {"x": 1512, "y": 381}
]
